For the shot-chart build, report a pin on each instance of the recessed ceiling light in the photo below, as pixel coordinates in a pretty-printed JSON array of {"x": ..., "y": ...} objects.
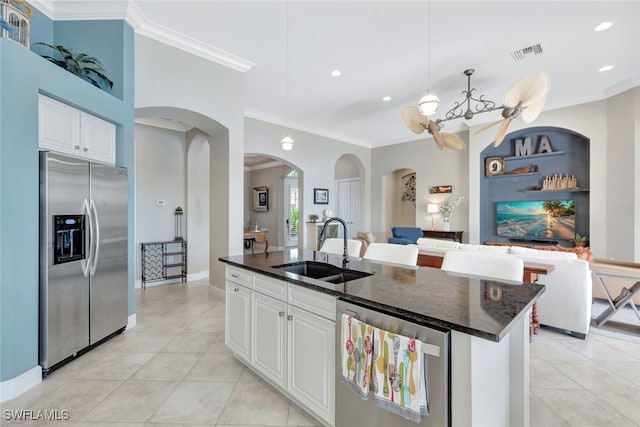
[
  {"x": 606, "y": 68},
  {"x": 386, "y": 98},
  {"x": 336, "y": 73},
  {"x": 603, "y": 26}
]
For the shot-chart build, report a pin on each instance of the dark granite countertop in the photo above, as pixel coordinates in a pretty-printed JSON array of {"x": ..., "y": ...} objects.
[{"x": 424, "y": 295}]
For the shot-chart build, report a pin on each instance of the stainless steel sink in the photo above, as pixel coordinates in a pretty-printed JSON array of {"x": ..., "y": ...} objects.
[{"x": 322, "y": 271}]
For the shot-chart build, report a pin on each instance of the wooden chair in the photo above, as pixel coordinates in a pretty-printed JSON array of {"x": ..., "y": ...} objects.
[
  {"x": 392, "y": 253},
  {"x": 366, "y": 238}
]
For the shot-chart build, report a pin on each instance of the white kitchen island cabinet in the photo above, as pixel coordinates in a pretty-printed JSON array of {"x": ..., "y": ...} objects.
[
  {"x": 485, "y": 365},
  {"x": 288, "y": 333},
  {"x": 238, "y": 313},
  {"x": 311, "y": 350},
  {"x": 269, "y": 337}
]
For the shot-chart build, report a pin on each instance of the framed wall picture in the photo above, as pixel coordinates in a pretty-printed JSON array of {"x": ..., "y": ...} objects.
[
  {"x": 438, "y": 189},
  {"x": 260, "y": 199},
  {"x": 493, "y": 166},
  {"x": 320, "y": 196}
]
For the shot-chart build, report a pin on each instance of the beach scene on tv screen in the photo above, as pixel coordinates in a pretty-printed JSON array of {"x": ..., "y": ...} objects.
[{"x": 548, "y": 219}]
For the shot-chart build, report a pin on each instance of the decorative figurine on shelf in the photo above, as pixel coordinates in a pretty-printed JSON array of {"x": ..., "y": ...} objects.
[
  {"x": 525, "y": 169},
  {"x": 559, "y": 182},
  {"x": 446, "y": 209},
  {"x": 178, "y": 217}
]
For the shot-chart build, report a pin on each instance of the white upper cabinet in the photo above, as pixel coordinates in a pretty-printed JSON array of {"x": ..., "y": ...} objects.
[
  {"x": 97, "y": 139},
  {"x": 67, "y": 130},
  {"x": 58, "y": 126}
]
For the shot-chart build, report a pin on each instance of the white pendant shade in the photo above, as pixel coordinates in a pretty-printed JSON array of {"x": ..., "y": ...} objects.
[
  {"x": 287, "y": 143},
  {"x": 428, "y": 104}
]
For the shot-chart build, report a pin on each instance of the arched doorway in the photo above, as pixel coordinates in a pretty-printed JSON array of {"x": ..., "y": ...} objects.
[
  {"x": 182, "y": 151},
  {"x": 283, "y": 182}
]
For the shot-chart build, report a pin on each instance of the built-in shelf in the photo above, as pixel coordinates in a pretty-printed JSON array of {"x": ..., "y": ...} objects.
[
  {"x": 562, "y": 190},
  {"x": 533, "y": 156},
  {"x": 513, "y": 175}
]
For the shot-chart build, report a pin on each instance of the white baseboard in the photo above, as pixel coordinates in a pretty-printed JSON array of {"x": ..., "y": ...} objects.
[
  {"x": 201, "y": 275},
  {"x": 132, "y": 320},
  {"x": 198, "y": 276},
  {"x": 14, "y": 387},
  {"x": 138, "y": 283}
]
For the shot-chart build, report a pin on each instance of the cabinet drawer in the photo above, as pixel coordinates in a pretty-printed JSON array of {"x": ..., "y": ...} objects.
[
  {"x": 239, "y": 276},
  {"x": 268, "y": 286},
  {"x": 316, "y": 302}
]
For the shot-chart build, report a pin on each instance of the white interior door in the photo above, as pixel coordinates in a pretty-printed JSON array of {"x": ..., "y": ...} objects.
[
  {"x": 291, "y": 212},
  {"x": 349, "y": 203}
]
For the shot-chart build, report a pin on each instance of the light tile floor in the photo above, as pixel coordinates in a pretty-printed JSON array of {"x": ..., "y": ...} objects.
[{"x": 173, "y": 369}]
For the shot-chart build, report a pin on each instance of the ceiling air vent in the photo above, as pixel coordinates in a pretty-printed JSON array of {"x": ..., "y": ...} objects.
[{"x": 524, "y": 53}]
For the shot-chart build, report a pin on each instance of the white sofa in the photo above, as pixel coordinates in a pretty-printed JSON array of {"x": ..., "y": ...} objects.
[{"x": 566, "y": 302}]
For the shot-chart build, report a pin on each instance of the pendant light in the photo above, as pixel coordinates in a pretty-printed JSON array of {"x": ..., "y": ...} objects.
[
  {"x": 287, "y": 142},
  {"x": 428, "y": 104}
]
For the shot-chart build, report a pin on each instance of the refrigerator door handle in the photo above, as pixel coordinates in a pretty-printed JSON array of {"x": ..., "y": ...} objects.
[
  {"x": 95, "y": 238},
  {"x": 86, "y": 263}
]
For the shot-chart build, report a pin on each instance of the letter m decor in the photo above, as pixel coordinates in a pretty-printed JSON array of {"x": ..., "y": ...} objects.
[{"x": 522, "y": 147}]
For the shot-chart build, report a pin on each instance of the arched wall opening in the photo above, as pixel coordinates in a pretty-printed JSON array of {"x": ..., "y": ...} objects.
[
  {"x": 182, "y": 160},
  {"x": 515, "y": 200},
  {"x": 273, "y": 173}
]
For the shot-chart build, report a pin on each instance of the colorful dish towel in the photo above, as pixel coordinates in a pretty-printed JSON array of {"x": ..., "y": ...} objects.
[
  {"x": 399, "y": 369},
  {"x": 357, "y": 348}
]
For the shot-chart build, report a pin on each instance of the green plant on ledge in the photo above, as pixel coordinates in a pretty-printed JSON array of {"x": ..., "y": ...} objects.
[
  {"x": 313, "y": 217},
  {"x": 82, "y": 65},
  {"x": 580, "y": 240}
]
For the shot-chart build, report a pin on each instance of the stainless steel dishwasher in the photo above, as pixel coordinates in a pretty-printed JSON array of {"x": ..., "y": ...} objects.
[{"x": 351, "y": 410}]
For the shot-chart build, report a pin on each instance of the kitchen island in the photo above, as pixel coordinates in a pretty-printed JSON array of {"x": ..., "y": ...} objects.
[{"x": 487, "y": 320}]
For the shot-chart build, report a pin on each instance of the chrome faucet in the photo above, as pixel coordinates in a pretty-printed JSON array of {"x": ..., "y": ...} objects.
[{"x": 345, "y": 254}]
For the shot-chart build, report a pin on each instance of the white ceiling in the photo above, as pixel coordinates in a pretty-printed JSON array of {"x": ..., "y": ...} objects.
[{"x": 381, "y": 48}]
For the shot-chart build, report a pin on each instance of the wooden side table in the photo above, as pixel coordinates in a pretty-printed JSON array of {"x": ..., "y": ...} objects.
[
  {"x": 251, "y": 237},
  {"x": 456, "y": 236}
]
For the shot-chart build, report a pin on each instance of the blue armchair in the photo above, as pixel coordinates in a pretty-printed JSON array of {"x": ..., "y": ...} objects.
[{"x": 405, "y": 235}]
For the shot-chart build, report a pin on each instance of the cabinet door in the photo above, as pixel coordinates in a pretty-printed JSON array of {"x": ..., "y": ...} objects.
[
  {"x": 237, "y": 331},
  {"x": 97, "y": 139},
  {"x": 311, "y": 366},
  {"x": 58, "y": 126},
  {"x": 268, "y": 343}
]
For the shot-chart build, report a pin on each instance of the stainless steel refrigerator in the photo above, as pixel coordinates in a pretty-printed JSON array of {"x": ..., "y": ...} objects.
[{"x": 83, "y": 255}]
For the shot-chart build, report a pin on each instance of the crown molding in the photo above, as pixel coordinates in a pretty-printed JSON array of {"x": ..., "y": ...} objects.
[{"x": 128, "y": 10}]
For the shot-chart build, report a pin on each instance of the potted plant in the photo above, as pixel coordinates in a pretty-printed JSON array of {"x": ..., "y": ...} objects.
[
  {"x": 313, "y": 217},
  {"x": 580, "y": 241},
  {"x": 82, "y": 65}
]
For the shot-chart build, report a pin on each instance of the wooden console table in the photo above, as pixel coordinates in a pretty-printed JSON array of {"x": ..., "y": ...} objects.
[
  {"x": 251, "y": 237},
  {"x": 532, "y": 272},
  {"x": 456, "y": 236}
]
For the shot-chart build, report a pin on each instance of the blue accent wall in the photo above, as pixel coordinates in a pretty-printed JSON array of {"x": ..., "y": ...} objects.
[
  {"x": 574, "y": 161},
  {"x": 23, "y": 75}
]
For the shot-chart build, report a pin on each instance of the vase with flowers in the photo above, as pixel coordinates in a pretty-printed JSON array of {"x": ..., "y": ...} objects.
[{"x": 446, "y": 210}]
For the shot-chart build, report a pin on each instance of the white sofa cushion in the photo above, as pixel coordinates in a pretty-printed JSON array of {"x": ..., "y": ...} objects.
[
  {"x": 519, "y": 250},
  {"x": 485, "y": 248},
  {"x": 426, "y": 242}
]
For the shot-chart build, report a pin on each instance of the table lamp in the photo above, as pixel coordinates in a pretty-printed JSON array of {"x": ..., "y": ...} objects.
[{"x": 432, "y": 208}]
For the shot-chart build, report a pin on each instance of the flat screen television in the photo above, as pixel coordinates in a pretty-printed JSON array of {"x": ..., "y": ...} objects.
[{"x": 544, "y": 219}]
